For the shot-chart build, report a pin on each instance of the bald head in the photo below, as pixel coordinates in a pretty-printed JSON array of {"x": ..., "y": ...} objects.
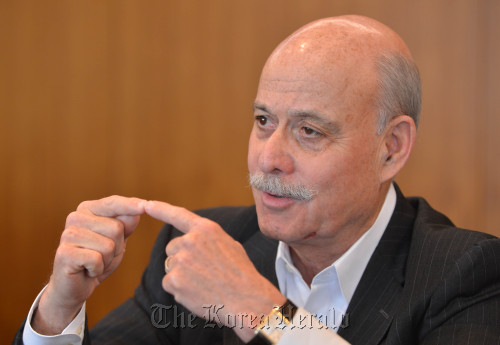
[{"x": 363, "y": 60}]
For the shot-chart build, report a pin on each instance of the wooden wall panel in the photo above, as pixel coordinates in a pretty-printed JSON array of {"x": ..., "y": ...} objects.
[
  {"x": 153, "y": 99},
  {"x": 490, "y": 115}
]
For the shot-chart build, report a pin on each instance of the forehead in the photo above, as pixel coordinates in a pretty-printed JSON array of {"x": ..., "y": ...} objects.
[
  {"x": 296, "y": 95},
  {"x": 294, "y": 84}
]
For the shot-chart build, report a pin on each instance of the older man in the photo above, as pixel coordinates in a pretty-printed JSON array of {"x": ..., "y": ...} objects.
[{"x": 341, "y": 255}]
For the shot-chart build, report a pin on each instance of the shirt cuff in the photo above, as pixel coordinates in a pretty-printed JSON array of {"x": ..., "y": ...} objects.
[
  {"x": 72, "y": 334},
  {"x": 306, "y": 329}
]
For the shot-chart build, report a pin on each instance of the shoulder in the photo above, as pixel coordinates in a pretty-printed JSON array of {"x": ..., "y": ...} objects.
[
  {"x": 440, "y": 251},
  {"x": 451, "y": 284},
  {"x": 434, "y": 231}
]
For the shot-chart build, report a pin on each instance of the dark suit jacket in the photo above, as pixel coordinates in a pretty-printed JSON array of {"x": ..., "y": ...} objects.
[{"x": 426, "y": 283}]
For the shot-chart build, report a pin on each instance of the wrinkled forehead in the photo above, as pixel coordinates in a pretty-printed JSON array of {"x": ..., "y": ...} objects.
[
  {"x": 293, "y": 85},
  {"x": 330, "y": 80},
  {"x": 298, "y": 93}
]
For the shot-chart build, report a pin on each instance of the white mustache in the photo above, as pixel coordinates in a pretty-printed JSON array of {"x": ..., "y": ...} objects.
[{"x": 273, "y": 184}]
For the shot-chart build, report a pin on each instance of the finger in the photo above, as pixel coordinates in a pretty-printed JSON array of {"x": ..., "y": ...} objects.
[
  {"x": 76, "y": 260},
  {"x": 109, "y": 227},
  {"x": 114, "y": 206},
  {"x": 125, "y": 209},
  {"x": 179, "y": 217},
  {"x": 129, "y": 223},
  {"x": 80, "y": 238},
  {"x": 174, "y": 245}
]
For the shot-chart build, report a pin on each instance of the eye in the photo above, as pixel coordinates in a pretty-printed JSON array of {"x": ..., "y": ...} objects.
[
  {"x": 310, "y": 132},
  {"x": 261, "y": 120}
]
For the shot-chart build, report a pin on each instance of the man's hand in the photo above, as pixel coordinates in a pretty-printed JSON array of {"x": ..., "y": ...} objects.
[
  {"x": 91, "y": 248},
  {"x": 207, "y": 267}
]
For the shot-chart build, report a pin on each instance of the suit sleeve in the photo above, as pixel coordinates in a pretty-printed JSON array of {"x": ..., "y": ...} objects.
[
  {"x": 143, "y": 318},
  {"x": 134, "y": 322}
]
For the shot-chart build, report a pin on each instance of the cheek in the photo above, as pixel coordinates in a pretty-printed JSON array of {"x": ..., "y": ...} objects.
[
  {"x": 252, "y": 157},
  {"x": 339, "y": 174}
]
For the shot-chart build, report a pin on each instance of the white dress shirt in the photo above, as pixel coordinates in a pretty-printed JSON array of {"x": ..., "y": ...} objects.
[
  {"x": 324, "y": 303},
  {"x": 331, "y": 289},
  {"x": 71, "y": 335}
]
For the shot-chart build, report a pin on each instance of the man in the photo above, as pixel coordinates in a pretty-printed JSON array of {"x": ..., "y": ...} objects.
[{"x": 339, "y": 248}]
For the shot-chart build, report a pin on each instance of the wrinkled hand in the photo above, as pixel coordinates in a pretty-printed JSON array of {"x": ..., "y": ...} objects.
[
  {"x": 91, "y": 248},
  {"x": 207, "y": 267}
]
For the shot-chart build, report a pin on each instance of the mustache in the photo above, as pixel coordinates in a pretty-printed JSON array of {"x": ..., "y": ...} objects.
[{"x": 274, "y": 185}]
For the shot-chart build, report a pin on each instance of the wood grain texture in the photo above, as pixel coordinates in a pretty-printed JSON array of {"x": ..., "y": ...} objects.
[{"x": 153, "y": 99}]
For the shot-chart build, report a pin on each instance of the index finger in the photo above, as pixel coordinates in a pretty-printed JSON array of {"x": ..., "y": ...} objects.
[
  {"x": 179, "y": 217},
  {"x": 114, "y": 206}
]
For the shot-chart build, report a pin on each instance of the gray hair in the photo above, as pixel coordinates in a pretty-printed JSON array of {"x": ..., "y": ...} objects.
[{"x": 399, "y": 89}]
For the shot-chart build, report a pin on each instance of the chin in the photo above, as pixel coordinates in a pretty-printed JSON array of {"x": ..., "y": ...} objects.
[
  {"x": 271, "y": 229},
  {"x": 281, "y": 231},
  {"x": 280, "y": 226}
]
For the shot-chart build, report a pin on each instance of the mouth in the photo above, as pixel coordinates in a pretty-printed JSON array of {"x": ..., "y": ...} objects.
[
  {"x": 276, "y": 196},
  {"x": 277, "y": 202}
]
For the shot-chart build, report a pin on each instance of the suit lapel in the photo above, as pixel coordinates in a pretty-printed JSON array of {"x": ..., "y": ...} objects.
[
  {"x": 262, "y": 252},
  {"x": 377, "y": 295}
]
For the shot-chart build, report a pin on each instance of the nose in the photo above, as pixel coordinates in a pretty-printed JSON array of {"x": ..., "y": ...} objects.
[{"x": 276, "y": 156}]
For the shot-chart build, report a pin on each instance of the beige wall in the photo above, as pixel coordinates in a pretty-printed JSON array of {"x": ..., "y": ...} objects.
[{"x": 153, "y": 99}]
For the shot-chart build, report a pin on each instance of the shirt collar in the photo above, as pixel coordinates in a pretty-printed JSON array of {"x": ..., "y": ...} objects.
[{"x": 351, "y": 265}]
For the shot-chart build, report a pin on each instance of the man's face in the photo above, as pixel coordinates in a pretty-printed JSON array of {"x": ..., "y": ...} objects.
[{"x": 320, "y": 133}]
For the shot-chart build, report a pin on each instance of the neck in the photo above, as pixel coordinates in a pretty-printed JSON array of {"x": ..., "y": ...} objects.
[
  {"x": 314, "y": 255},
  {"x": 310, "y": 260}
]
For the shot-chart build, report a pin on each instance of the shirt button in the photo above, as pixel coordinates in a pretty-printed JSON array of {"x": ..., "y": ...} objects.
[{"x": 289, "y": 269}]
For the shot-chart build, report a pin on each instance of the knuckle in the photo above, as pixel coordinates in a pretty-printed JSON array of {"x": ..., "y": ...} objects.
[
  {"x": 84, "y": 205},
  {"x": 180, "y": 259},
  {"x": 203, "y": 223},
  {"x": 172, "y": 280},
  {"x": 72, "y": 217},
  {"x": 108, "y": 247},
  {"x": 95, "y": 259},
  {"x": 62, "y": 253},
  {"x": 95, "y": 263},
  {"x": 116, "y": 229},
  {"x": 111, "y": 200},
  {"x": 166, "y": 283},
  {"x": 207, "y": 226},
  {"x": 70, "y": 234},
  {"x": 190, "y": 240},
  {"x": 173, "y": 246}
]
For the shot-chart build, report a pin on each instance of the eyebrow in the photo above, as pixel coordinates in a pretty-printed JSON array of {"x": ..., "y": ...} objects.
[
  {"x": 312, "y": 115},
  {"x": 260, "y": 106},
  {"x": 331, "y": 126}
]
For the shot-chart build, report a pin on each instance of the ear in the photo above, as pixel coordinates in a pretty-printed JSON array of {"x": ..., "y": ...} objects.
[{"x": 399, "y": 138}]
